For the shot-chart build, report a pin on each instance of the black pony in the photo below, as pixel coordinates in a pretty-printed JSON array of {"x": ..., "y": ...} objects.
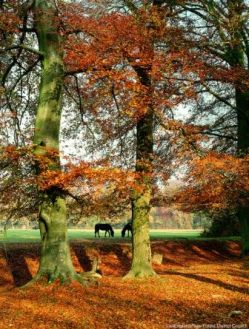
[
  {"x": 104, "y": 227},
  {"x": 128, "y": 228}
]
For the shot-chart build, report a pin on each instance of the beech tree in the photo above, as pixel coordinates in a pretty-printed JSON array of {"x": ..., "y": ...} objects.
[
  {"x": 55, "y": 255},
  {"x": 42, "y": 155},
  {"x": 223, "y": 39},
  {"x": 128, "y": 72},
  {"x": 42, "y": 19},
  {"x": 126, "y": 87}
]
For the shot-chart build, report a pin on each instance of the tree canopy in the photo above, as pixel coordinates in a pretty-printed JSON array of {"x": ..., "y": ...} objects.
[{"x": 103, "y": 102}]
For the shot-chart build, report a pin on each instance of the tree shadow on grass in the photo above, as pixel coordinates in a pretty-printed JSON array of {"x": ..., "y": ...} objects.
[
  {"x": 114, "y": 259},
  {"x": 123, "y": 256},
  {"x": 184, "y": 252},
  {"x": 83, "y": 258},
  {"x": 146, "y": 309},
  {"x": 214, "y": 250},
  {"x": 240, "y": 275},
  {"x": 201, "y": 278},
  {"x": 169, "y": 261},
  {"x": 174, "y": 311}
]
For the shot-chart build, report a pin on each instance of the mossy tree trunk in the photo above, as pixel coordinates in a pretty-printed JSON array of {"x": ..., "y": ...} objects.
[
  {"x": 55, "y": 262},
  {"x": 141, "y": 266}
]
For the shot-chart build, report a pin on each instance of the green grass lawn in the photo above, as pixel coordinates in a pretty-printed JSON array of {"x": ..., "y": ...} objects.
[{"x": 24, "y": 236}]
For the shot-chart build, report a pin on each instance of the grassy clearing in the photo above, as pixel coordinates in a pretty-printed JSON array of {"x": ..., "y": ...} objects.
[
  {"x": 19, "y": 235},
  {"x": 26, "y": 236}
]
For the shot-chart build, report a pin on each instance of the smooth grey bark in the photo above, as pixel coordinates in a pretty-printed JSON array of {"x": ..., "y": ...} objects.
[
  {"x": 141, "y": 200},
  {"x": 55, "y": 261}
]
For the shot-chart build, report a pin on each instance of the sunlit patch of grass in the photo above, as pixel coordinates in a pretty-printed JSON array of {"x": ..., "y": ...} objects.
[{"x": 26, "y": 236}]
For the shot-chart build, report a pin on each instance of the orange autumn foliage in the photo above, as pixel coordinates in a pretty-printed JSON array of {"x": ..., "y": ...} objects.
[
  {"x": 9, "y": 22},
  {"x": 215, "y": 181},
  {"x": 102, "y": 49},
  {"x": 101, "y": 188}
]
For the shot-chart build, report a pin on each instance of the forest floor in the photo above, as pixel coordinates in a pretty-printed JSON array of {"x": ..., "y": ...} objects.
[{"x": 201, "y": 284}]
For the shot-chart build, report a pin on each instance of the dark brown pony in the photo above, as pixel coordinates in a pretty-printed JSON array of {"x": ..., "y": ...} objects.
[
  {"x": 104, "y": 227},
  {"x": 126, "y": 228}
]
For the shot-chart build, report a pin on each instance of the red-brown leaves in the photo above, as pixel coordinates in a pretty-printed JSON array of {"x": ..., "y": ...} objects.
[
  {"x": 99, "y": 186},
  {"x": 216, "y": 181},
  {"x": 209, "y": 268},
  {"x": 9, "y": 22}
]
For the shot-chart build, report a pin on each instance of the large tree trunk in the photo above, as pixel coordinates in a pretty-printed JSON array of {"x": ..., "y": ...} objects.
[
  {"x": 47, "y": 125},
  {"x": 242, "y": 104},
  {"x": 55, "y": 262},
  {"x": 141, "y": 201}
]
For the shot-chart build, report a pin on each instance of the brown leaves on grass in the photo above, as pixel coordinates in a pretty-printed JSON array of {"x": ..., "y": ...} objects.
[{"x": 199, "y": 283}]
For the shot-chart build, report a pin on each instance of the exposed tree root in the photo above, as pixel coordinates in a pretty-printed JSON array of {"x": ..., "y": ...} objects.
[
  {"x": 35, "y": 279},
  {"x": 140, "y": 273},
  {"x": 84, "y": 278}
]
